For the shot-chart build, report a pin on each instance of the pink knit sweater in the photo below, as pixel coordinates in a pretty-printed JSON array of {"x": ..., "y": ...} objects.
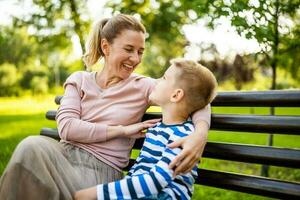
[{"x": 86, "y": 110}]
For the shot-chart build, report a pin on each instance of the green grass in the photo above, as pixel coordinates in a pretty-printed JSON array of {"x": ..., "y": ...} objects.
[{"x": 21, "y": 117}]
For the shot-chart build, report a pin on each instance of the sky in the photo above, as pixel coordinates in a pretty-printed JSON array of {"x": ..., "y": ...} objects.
[{"x": 227, "y": 41}]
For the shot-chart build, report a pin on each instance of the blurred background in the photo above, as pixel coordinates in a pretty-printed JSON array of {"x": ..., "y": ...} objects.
[{"x": 248, "y": 44}]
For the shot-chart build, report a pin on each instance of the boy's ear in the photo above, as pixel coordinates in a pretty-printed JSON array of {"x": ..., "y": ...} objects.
[
  {"x": 177, "y": 95},
  {"x": 105, "y": 46}
]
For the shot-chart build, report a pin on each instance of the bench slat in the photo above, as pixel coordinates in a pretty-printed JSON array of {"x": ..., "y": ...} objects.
[
  {"x": 249, "y": 184},
  {"x": 257, "y": 123},
  {"x": 270, "y": 98},
  {"x": 50, "y": 132},
  {"x": 244, "y": 123},
  {"x": 235, "y": 152},
  {"x": 245, "y": 183}
]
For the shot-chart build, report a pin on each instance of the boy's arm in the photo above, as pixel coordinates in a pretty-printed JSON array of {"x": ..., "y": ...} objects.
[{"x": 142, "y": 185}]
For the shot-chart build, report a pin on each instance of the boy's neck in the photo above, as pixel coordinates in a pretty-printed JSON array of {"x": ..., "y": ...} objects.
[{"x": 172, "y": 116}]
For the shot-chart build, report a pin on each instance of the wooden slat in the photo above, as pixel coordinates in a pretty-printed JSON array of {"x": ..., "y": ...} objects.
[
  {"x": 243, "y": 123},
  {"x": 57, "y": 99},
  {"x": 276, "y": 156},
  {"x": 268, "y": 98},
  {"x": 283, "y": 157},
  {"x": 249, "y": 184},
  {"x": 246, "y": 183},
  {"x": 250, "y": 123},
  {"x": 51, "y": 114},
  {"x": 257, "y": 123},
  {"x": 50, "y": 132}
]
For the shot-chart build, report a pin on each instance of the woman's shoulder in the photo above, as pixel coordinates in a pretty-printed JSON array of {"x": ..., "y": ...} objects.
[
  {"x": 138, "y": 78},
  {"x": 79, "y": 76}
]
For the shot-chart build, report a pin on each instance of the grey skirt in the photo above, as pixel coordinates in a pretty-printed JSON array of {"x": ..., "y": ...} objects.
[{"x": 42, "y": 168}]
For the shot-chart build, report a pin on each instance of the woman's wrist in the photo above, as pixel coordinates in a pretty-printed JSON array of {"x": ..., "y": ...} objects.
[
  {"x": 121, "y": 129},
  {"x": 115, "y": 131}
]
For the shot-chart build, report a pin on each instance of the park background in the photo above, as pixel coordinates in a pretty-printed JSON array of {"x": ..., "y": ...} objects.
[{"x": 248, "y": 44}]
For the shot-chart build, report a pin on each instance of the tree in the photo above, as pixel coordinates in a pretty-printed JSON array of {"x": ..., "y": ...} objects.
[
  {"x": 163, "y": 21},
  {"x": 8, "y": 79},
  {"x": 16, "y": 46},
  {"x": 53, "y": 23},
  {"x": 265, "y": 21}
]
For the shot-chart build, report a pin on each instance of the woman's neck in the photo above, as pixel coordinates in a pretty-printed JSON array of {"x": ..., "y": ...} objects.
[{"x": 106, "y": 79}]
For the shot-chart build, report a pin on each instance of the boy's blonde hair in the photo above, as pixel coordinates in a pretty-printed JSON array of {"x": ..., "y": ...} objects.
[{"x": 198, "y": 83}]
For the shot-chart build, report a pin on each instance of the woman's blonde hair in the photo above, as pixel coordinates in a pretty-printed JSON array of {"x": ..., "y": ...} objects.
[
  {"x": 108, "y": 28},
  {"x": 198, "y": 83}
]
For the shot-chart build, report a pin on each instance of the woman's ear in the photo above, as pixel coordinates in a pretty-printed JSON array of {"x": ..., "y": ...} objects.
[
  {"x": 177, "y": 95},
  {"x": 105, "y": 47}
]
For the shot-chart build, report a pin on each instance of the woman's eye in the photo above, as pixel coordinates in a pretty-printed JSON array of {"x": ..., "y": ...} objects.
[{"x": 128, "y": 50}]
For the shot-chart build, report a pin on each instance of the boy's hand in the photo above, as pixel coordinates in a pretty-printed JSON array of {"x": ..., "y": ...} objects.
[
  {"x": 86, "y": 194},
  {"x": 192, "y": 149},
  {"x": 136, "y": 130}
]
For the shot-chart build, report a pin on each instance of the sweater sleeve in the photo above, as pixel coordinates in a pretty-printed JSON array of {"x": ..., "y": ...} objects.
[
  {"x": 142, "y": 185},
  {"x": 202, "y": 114},
  {"x": 69, "y": 123}
]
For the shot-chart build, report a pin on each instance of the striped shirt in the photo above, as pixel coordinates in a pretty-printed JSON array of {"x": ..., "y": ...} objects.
[{"x": 150, "y": 175}]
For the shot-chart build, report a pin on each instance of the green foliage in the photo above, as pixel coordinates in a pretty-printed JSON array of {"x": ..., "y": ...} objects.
[
  {"x": 267, "y": 22},
  {"x": 39, "y": 85},
  {"x": 8, "y": 79},
  {"x": 39, "y": 44},
  {"x": 163, "y": 21},
  {"x": 54, "y": 21},
  {"x": 16, "y": 46}
]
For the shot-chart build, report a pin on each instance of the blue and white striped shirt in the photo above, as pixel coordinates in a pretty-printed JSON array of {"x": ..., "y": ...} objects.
[{"x": 150, "y": 175}]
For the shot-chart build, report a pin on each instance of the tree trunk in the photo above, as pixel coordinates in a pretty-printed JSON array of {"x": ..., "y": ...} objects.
[
  {"x": 77, "y": 24},
  {"x": 265, "y": 168}
]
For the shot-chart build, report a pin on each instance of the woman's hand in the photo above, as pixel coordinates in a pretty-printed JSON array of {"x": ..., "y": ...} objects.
[
  {"x": 193, "y": 146},
  {"x": 137, "y": 130},
  {"x": 86, "y": 194}
]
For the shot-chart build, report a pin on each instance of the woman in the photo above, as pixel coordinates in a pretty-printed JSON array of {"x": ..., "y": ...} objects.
[{"x": 94, "y": 122}]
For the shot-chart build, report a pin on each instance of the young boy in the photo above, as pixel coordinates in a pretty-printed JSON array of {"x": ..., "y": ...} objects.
[{"x": 185, "y": 87}]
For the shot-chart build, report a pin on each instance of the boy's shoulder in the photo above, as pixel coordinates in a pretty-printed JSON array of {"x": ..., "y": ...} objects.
[
  {"x": 174, "y": 131},
  {"x": 182, "y": 130}
]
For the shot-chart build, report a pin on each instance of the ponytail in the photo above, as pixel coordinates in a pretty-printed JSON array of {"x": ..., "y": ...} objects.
[{"x": 93, "y": 45}]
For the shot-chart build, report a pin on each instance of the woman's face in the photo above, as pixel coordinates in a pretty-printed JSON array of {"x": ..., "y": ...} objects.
[{"x": 125, "y": 53}]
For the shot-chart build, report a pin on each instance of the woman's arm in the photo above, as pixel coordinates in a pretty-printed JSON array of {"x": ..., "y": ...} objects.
[
  {"x": 70, "y": 125},
  {"x": 72, "y": 128}
]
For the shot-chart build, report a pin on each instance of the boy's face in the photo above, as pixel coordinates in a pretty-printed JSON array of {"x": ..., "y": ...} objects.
[{"x": 164, "y": 87}]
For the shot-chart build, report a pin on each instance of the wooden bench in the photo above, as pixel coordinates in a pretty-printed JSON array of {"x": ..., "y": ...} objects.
[{"x": 275, "y": 156}]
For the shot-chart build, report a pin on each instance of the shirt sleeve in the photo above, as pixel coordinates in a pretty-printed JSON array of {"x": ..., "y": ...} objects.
[
  {"x": 149, "y": 84},
  {"x": 68, "y": 118},
  {"x": 202, "y": 114},
  {"x": 142, "y": 185}
]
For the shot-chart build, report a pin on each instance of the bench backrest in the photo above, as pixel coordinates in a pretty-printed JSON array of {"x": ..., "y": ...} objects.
[{"x": 275, "y": 156}]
